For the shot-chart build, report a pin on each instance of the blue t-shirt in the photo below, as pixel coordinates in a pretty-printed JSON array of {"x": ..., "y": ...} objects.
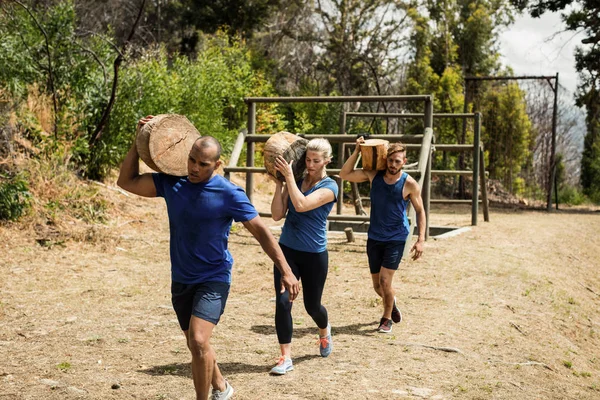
[
  {"x": 307, "y": 231},
  {"x": 388, "y": 221},
  {"x": 200, "y": 217}
]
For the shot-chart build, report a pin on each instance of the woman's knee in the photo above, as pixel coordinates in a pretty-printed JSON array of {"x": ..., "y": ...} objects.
[{"x": 283, "y": 303}]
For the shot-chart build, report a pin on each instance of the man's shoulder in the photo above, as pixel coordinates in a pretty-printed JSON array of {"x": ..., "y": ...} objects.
[{"x": 411, "y": 183}]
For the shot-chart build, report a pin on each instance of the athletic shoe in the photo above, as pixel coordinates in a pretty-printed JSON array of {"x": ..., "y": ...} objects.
[
  {"x": 224, "y": 395},
  {"x": 396, "y": 314},
  {"x": 325, "y": 343},
  {"x": 283, "y": 365},
  {"x": 385, "y": 325}
]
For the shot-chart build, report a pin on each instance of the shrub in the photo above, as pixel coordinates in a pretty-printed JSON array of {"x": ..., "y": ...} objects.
[{"x": 14, "y": 197}]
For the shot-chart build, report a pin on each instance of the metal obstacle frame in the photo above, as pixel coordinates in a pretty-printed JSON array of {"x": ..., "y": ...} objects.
[
  {"x": 422, "y": 173},
  {"x": 476, "y": 148}
]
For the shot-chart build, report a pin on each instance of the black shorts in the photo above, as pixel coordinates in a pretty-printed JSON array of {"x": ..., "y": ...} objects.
[
  {"x": 204, "y": 300},
  {"x": 384, "y": 254}
]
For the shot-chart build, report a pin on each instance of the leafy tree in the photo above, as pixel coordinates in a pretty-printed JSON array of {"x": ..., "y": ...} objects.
[
  {"x": 41, "y": 47},
  {"x": 208, "y": 89},
  {"x": 507, "y": 135},
  {"x": 582, "y": 16}
]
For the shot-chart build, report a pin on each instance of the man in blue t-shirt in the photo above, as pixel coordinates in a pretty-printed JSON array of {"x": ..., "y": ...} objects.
[
  {"x": 391, "y": 192},
  {"x": 201, "y": 209}
]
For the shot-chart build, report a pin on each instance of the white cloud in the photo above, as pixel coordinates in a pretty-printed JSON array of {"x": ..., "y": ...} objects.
[{"x": 533, "y": 46}]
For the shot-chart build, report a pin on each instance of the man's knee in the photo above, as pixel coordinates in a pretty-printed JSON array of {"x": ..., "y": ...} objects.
[
  {"x": 377, "y": 286},
  {"x": 199, "y": 344},
  {"x": 385, "y": 282}
]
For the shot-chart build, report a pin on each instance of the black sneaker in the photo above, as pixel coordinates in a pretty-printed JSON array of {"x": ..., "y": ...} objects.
[
  {"x": 385, "y": 325},
  {"x": 396, "y": 314}
]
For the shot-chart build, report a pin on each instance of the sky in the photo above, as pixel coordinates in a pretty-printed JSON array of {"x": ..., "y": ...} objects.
[{"x": 532, "y": 47}]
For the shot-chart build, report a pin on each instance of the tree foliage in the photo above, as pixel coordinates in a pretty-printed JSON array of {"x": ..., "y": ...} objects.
[
  {"x": 208, "y": 89},
  {"x": 582, "y": 16}
]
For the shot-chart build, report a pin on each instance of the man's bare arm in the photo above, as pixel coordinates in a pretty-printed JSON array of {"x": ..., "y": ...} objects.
[
  {"x": 259, "y": 230},
  {"x": 130, "y": 178}
]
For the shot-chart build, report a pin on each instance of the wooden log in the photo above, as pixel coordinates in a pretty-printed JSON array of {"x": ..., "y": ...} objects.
[
  {"x": 374, "y": 154},
  {"x": 164, "y": 143},
  {"x": 349, "y": 234},
  {"x": 291, "y": 147}
]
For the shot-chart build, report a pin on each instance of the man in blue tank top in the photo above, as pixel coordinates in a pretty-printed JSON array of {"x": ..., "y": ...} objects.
[
  {"x": 391, "y": 192},
  {"x": 201, "y": 208}
]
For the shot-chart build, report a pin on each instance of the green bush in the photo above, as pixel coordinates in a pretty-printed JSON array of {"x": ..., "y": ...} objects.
[
  {"x": 14, "y": 197},
  {"x": 570, "y": 195},
  {"x": 208, "y": 90}
]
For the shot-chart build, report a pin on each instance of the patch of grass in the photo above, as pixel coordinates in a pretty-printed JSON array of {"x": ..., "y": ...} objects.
[
  {"x": 376, "y": 302},
  {"x": 93, "y": 340},
  {"x": 461, "y": 388},
  {"x": 167, "y": 370},
  {"x": 567, "y": 364},
  {"x": 64, "y": 366},
  {"x": 123, "y": 340}
]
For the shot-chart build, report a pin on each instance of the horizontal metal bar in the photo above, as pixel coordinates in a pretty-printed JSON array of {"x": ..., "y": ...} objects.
[
  {"x": 452, "y": 147},
  {"x": 336, "y": 138},
  {"x": 335, "y": 171},
  {"x": 407, "y": 115},
  {"x": 336, "y": 99},
  {"x": 450, "y": 172},
  {"x": 505, "y": 78},
  {"x": 332, "y": 217},
  {"x": 452, "y": 201}
]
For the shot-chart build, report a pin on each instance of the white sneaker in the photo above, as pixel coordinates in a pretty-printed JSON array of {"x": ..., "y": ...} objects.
[
  {"x": 283, "y": 365},
  {"x": 224, "y": 395}
]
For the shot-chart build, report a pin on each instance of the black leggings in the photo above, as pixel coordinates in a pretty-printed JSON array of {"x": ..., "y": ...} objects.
[{"x": 311, "y": 269}]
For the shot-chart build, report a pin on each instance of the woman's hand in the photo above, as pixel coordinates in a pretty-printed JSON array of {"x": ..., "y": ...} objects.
[
  {"x": 284, "y": 168},
  {"x": 145, "y": 120}
]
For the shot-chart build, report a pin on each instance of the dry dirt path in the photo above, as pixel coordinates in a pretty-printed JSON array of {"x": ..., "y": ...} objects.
[{"x": 507, "y": 310}]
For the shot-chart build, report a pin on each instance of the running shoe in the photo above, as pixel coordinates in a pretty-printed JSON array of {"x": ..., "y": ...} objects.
[
  {"x": 396, "y": 314},
  {"x": 385, "y": 325},
  {"x": 224, "y": 395},
  {"x": 325, "y": 343},
  {"x": 283, "y": 365}
]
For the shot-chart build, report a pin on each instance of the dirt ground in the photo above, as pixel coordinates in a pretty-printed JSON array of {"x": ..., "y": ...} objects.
[{"x": 508, "y": 309}]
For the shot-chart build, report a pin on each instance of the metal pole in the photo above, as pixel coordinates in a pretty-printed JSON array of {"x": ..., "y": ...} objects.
[
  {"x": 553, "y": 148},
  {"x": 237, "y": 150},
  {"x": 484, "y": 198},
  {"x": 341, "y": 155},
  {"x": 475, "y": 200},
  {"x": 250, "y": 148},
  {"x": 426, "y": 191}
]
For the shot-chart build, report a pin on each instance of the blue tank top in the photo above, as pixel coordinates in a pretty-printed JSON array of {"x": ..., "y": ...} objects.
[
  {"x": 307, "y": 231},
  {"x": 389, "y": 221}
]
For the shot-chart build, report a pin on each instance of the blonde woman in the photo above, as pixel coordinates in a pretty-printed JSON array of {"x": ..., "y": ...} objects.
[{"x": 305, "y": 204}]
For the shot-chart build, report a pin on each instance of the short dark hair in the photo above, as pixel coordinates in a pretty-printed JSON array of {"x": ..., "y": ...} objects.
[
  {"x": 396, "y": 148},
  {"x": 204, "y": 142}
]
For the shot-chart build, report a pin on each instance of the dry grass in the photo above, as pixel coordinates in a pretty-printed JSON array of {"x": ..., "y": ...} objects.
[{"x": 89, "y": 317}]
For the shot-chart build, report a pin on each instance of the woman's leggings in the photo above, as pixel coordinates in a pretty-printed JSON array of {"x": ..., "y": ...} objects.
[{"x": 311, "y": 269}]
